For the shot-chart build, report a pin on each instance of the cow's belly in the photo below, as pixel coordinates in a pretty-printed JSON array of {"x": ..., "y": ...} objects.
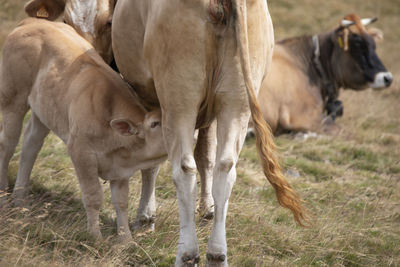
[{"x": 128, "y": 35}]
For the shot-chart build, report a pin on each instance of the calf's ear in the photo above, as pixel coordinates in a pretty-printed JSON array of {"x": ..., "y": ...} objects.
[
  {"x": 126, "y": 127},
  {"x": 46, "y": 9},
  {"x": 376, "y": 34}
]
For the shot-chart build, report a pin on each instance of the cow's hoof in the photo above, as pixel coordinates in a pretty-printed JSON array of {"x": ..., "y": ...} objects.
[
  {"x": 4, "y": 199},
  {"x": 216, "y": 259},
  {"x": 190, "y": 260},
  {"x": 209, "y": 215},
  {"x": 19, "y": 202},
  {"x": 95, "y": 234},
  {"x": 144, "y": 224},
  {"x": 206, "y": 209},
  {"x": 124, "y": 236}
]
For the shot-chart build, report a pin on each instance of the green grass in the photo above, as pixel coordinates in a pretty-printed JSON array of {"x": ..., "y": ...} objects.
[{"x": 350, "y": 182}]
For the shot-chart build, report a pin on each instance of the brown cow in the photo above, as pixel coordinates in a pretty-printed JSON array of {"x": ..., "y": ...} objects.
[
  {"x": 307, "y": 73},
  {"x": 203, "y": 62},
  {"x": 49, "y": 68}
]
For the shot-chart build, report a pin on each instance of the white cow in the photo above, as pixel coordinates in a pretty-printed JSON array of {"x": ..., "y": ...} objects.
[
  {"x": 48, "y": 68},
  {"x": 203, "y": 63}
]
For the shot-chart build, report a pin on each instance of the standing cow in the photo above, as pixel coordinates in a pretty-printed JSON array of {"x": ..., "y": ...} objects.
[
  {"x": 203, "y": 63},
  {"x": 318, "y": 66}
]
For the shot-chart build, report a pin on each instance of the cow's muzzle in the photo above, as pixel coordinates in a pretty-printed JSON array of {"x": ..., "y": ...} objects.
[
  {"x": 382, "y": 80},
  {"x": 334, "y": 109}
]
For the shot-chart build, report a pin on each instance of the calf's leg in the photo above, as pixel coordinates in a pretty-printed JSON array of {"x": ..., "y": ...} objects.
[
  {"x": 92, "y": 194},
  {"x": 147, "y": 208},
  {"x": 11, "y": 127},
  {"x": 34, "y": 136},
  {"x": 119, "y": 195}
]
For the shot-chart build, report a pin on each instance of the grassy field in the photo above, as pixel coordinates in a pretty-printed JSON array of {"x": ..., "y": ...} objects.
[{"x": 350, "y": 182}]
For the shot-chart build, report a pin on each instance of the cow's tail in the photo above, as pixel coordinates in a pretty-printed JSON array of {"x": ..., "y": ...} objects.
[{"x": 286, "y": 196}]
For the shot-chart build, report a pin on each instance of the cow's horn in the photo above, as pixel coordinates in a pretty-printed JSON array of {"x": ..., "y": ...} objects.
[
  {"x": 368, "y": 21},
  {"x": 347, "y": 23}
]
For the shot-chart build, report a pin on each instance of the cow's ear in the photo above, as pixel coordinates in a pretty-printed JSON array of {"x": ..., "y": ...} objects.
[
  {"x": 376, "y": 34},
  {"x": 46, "y": 9},
  {"x": 125, "y": 127}
]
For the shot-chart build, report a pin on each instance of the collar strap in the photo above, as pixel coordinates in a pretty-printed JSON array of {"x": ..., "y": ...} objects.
[
  {"x": 317, "y": 61},
  {"x": 328, "y": 91}
]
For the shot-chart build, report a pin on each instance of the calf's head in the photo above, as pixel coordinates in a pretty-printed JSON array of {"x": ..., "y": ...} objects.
[
  {"x": 90, "y": 18},
  {"x": 354, "y": 60},
  {"x": 145, "y": 137}
]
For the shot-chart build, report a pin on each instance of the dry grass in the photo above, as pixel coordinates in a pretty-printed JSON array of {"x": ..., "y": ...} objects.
[{"x": 350, "y": 182}]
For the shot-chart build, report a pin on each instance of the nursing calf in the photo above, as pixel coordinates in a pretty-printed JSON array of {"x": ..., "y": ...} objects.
[{"x": 49, "y": 68}]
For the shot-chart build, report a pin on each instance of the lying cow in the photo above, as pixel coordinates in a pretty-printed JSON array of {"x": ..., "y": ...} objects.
[
  {"x": 307, "y": 73},
  {"x": 49, "y": 68},
  {"x": 90, "y": 18}
]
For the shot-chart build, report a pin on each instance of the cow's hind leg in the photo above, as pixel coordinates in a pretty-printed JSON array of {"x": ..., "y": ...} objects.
[
  {"x": 231, "y": 132},
  {"x": 119, "y": 195},
  {"x": 205, "y": 160},
  {"x": 178, "y": 130},
  {"x": 34, "y": 136},
  {"x": 11, "y": 127},
  {"x": 147, "y": 208}
]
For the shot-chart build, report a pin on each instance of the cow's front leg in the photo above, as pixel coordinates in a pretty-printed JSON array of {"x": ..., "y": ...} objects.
[
  {"x": 147, "y": 208},
  {"x": 85, "y": 164},
  {"x": 119, "y": 195},
  {"x": 231, "y": 132},
  {"x": 205, "y": 160}
]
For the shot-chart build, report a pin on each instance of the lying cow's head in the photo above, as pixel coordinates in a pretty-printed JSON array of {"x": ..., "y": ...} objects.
[
  {"x": 355, "y": 62},
  {"x": 90, "y": 18}
]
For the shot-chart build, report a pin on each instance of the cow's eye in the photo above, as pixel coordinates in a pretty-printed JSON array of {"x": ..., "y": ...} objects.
[{"x": 154, "y": 124}]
